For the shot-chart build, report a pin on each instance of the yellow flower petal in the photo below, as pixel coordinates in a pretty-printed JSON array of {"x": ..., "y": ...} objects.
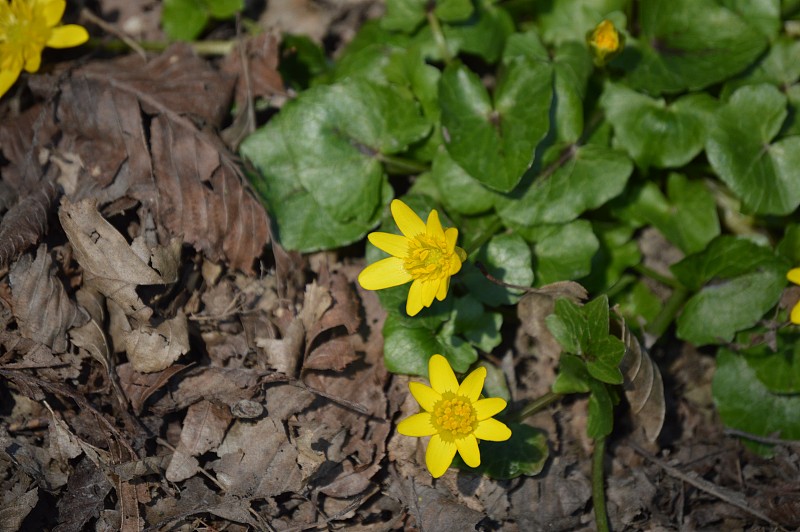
[
  {"x": 486, "y": 408},
  {"x": 796, "y": 314},
  {"x": 52, "y": 10},
  {"x": 468, "y": 449},
  {"x": 383, "y": 274},
  {"x": 451, "y": 236},
  {"x": 425, "y": 395},
  {"x": 439, "y": 455},
  {"x": 441, "y": 375},
  {"x": 32, "y": 62},
  {"x": 794, "y": 275},
  {"x": 407, "y": 220},
  {"x": 441, "y": 293},
  {"x": 492, "y": 430},
  {"x": 417, "y": 425},
  {"x": 394, "y": 245},
  {"x": 455, "y": 264},
  {"x": 429, "y": 289},
  {"x": 434, "y": 226},
  {"x": 471, "y": 386},
  {"x": 414, "y": 303},
  {"x": 68, "y": 36},
  {"x": 7, "y": 79}
]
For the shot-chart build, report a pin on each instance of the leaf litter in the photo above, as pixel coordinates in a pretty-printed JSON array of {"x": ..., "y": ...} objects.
[{"x": 165, "y": 366}]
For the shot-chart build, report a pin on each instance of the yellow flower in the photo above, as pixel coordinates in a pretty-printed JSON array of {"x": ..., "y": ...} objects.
[
  {"x": 605, "y": 42},
  {"x": 794, "y": 276},
  {"x": 454, "y": 416},
  {"x": 26, "y": 28},
  {"x": 426, "y": 254}
]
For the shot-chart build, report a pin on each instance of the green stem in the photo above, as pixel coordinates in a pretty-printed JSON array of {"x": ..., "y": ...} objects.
[
  {"x": 668, "y": 312},
  {"x": 208, "y": 48},
  {"x": 652, "y": 274},
  {"x": 402, "y": 165},
  {"x": 535, "y": 406},
  {"x": 438, "y": 37},
  {"x": 598, "y": 488}
]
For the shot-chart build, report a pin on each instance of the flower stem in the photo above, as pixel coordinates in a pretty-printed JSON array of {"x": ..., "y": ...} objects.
[
  {"x": 598, "y": 488},
  {"x": 438, "y": 37},
  {"x": 402, "y": 165},
  {"x": 537, "y": 405},
  {"x": 659, "y": 325},
  {"x": 654, "y": 275}
]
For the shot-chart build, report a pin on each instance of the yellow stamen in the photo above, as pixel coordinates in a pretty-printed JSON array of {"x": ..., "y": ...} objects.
[{"x": 454, "y": 417}]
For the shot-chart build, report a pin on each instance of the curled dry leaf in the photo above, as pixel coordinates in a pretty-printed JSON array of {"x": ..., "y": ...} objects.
[
  {"x": 643, "y": 386},
  {"x": 152, "y": 349},
  {"x": 138, "y": 387},
  {"x": 203, "y": 429},
  {"x": 26, "y": 222},
  {"x": 90, "y": 337},
  {"x": 110, "y": 264},
  {"x": 41, "y": 306}
]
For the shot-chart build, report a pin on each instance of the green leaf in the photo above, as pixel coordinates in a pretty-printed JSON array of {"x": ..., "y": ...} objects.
[
  {"x": 779, "y": 67},
  {"x": 403, "y": 15},
  {"x": 483, "y": 34},
  {"x": 779, "y": 370},
  {"x": 495, "y": 384},
  {"x": 569, "y": 20},
  {"x": 688, "y": 44},
  {"x": 744, "y": 403},
  {"x": 222, "y": 9},
  {"x": 606, "y": 354},
  {"x": 318, "y": 158},
  {"x": 617, "y": 252},
  {"x": 506, "y": 257},
  {"x": 763, "y": 175},
  {"x": 476, "y": 325},
  {"x": 687, "y": 218},
  {"x": 639, "y": 305},
  {"x": 525, "y": 453},
  {"x": 495, "y": 143},
  {"x": 717, "y": 312},
  {"x": 407, "y": 349},
  {"x": 600, "y": 420},
  {"x": 460, "y": 192},
  {"x": 183, "y": 20},
  {"x": 563, "y": 252},
  {"x": 654, "y": 133},
  {"x": 572, "y": 375},
  {"x": 789, "y": 246},
  {"x": 726, "y": 257},
  {"x": 568, "y": 326},
  {"x": 763, "y": 15},
  {"x": 453, "y": 10},
  {"x": 583, "y": 178}
]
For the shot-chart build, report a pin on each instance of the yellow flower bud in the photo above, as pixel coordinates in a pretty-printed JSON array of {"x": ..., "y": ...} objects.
[{"x": 605, "y": 42}]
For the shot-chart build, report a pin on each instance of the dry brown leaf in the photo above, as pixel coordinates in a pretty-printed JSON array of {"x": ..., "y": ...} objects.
[
  {"x": 15, "y": 507},
  {"x": 108, "y": 261},
  {"x": 25, "y": 223},
  {"x": 84, "y": 497},
  {"x": 138, "y": 387},
  {"x": 262, "y": 78},
  {"x": 41, "y": 306},
  {"x": 90, "y": 337},
  {"x": 220, "y": 385},
  {"x": 257, "y": 460},
  {"x": 643, "y": 386},
  {"x": 203, "y": 429},
  {"x": 153, "y": 349}
]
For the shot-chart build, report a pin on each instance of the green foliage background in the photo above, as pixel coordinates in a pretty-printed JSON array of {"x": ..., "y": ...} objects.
[{"x": 553, "y": 168}]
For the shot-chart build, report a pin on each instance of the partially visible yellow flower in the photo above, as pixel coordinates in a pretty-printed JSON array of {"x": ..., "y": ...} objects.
[
  {"x": 794, "y": 276},
  {"x": 26, "y": 28},
  {"x": 425, "y": 254},
  {"x": 454, "y": 416},
  {"x": 605, "y": 42}
]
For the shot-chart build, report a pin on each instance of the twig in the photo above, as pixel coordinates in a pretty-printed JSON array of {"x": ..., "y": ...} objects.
[
  {"x": 769, "y": 440},
  {"x": 113, "y": 30},
  {"x": 724, "y": 494}
]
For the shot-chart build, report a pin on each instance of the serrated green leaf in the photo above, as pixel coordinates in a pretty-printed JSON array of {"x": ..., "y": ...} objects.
[
  {"x": 322, "y": 178},
  {"x": 568, "y": 326},
  {"x": 572, "y": 375},
  {"x": 778, "y": 370},
  {"x": 407, "y": 349},
  {"x": 654, "y": 133},
  {"x": 183, "y": 20},
  {"x": 763, "y": 175},
  {"x": 475, "y": 324},
  {"x": 525, "y": 453},
  {"x": 596, "y": 315},
  {"x": 583, "y": 178},
  {"x": 687, "y": 44},
  {"x": 606, "y": 354},
  {"x": 600, "y": 420},
  {"x": 717, "y": 312},
  {"x": 495, "y": 143},
  {"x": 506, "y": 257},
  {"x": 563, "y": 252},
  {"x": 222, "y": 9},
  {"x": 744, "y": 403}
]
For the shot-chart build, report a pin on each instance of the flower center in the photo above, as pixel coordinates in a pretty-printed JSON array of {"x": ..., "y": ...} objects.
[
  {"x": 427, "y": 257},
  {"x": 606, "y": 37},
  {"x": 454, "y": 417},
  {"x": 23, "y": 26}
]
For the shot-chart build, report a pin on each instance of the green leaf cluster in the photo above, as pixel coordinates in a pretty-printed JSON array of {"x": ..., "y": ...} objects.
[
  {"x": 185, "y": 20},
  {"x": 666, "y": 182}
]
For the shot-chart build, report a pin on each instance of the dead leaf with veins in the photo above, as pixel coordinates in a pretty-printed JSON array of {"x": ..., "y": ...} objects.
[{"x": 153, "y": 349}]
